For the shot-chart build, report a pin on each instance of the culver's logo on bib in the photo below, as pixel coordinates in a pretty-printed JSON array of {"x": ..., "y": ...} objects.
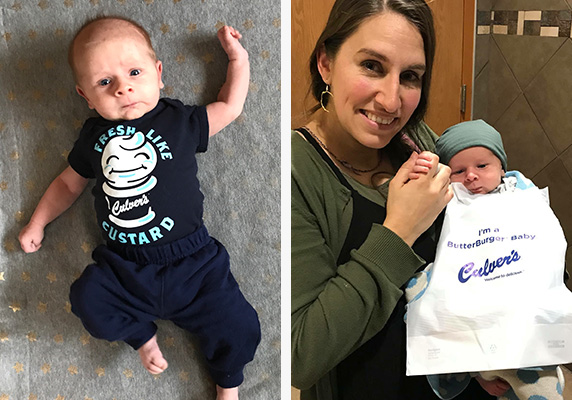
[{"x": 469, "y": 270}]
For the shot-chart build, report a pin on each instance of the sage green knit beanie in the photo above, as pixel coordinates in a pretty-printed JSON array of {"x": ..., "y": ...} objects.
[{"x": 470, "y": 134}]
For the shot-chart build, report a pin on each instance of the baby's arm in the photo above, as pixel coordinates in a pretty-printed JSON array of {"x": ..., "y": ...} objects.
[
  {"x": 232, "y": 95},
  {"x": 422, "y": 165},
  {"x": 59, "y": 196}
]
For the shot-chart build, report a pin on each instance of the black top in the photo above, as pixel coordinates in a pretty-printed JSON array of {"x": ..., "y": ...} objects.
[{"x": 146, "y": 189}]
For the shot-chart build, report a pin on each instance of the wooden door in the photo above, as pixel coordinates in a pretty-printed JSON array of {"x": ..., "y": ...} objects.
[
  {"x": 307, "y": 22},
  {"x": 454, "y": 26},
  {"x": 453, "y": 66}
]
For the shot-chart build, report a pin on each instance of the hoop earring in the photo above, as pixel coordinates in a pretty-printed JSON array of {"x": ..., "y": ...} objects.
[{"x": 327, "y": 91}]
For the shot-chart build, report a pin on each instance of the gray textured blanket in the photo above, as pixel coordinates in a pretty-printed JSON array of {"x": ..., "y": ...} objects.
[{"x": 45, "y": 353}]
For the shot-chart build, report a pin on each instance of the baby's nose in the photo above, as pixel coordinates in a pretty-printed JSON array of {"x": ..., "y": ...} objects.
[
  {"x": 471, "y": 176},
  {"x": 123, "y": 88}
]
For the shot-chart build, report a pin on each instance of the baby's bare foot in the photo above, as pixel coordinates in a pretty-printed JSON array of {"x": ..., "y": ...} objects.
[
  {"x": 151, "y": 357},
  {"x": 226, "y": 394}
]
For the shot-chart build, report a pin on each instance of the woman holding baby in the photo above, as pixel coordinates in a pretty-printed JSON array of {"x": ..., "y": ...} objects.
[{"x": 360, "y": 227}]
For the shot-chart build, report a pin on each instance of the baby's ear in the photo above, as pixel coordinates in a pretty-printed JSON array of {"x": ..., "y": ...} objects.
[
  {"x": 82, "y": 94},
  {"x": 159, "y": 67}
]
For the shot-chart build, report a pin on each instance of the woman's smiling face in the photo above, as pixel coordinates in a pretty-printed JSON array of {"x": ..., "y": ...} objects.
[{"x": 375, "y": 78}]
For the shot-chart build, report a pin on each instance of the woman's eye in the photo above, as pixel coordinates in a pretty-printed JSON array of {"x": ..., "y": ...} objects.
[
  {"x": 104, "y": 82},
  {"x": 135, "y": 72},
  {"x": 411, "y": 77},
  {"x": 371, "y": 66}
]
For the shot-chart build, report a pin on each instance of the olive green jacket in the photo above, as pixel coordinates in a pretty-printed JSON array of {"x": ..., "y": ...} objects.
[{"x": 337, "y": 308}]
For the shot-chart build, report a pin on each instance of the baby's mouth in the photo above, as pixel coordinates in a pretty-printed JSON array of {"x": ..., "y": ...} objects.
[{"x": 378, "y": 119}]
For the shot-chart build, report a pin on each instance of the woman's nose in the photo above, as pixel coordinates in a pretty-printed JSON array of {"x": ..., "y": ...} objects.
[{"x": 388, "y": 94}]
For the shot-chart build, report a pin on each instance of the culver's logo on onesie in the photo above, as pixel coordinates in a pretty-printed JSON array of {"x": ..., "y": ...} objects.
[{"x": 128, "y": 159}]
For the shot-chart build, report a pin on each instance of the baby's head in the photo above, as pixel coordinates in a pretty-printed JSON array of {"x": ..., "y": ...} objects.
[
  {"x": 115, "y": 68},
  {"x": 474, "y": 152}
]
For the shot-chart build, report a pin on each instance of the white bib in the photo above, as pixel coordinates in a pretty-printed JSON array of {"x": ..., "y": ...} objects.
[{"x": 496, "y": 298}]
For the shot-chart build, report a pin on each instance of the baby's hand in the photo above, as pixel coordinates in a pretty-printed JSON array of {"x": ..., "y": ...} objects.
[
  {"x": 228, "y": 37},
  {"x": 422, "y": 165},
  {"x": 31, "y": 237},
  {"x": 496, "y": 387}
]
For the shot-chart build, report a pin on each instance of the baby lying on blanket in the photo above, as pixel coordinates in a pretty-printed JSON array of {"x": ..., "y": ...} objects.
[{"x": 474, "y": 152}]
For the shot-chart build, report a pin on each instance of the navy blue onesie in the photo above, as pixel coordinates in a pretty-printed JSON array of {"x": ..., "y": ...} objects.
[{"x": 159, "y": 261}]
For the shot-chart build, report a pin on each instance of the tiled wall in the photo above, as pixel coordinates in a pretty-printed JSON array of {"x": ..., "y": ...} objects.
[
  {"x": 523, "y": 87},
  {"x": 548, "y": 23}
]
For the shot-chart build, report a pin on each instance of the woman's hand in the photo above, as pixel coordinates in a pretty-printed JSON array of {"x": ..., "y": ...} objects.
[
  {"x": 496, "y": 387},
  {"x": 413, "y": 205}
]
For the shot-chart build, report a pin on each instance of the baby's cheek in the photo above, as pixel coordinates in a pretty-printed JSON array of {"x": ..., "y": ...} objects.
[{"x": 456, "y": 178}]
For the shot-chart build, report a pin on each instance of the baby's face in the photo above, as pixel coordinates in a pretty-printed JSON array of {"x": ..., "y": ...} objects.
[
  {"x": 477, "y": 168},
  {"x": 118, "y": 76}
]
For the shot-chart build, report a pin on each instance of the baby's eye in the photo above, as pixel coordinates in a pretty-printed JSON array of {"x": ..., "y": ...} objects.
[
  {"x": 104, "y": 82},
  {"x": 457, "y": 172},
  {"x": 482, "y": 166},
  {"x": 135, "y": 72}
]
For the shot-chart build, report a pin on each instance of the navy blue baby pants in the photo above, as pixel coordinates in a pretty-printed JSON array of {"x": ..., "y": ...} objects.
[{"x": 188, "y": 282}]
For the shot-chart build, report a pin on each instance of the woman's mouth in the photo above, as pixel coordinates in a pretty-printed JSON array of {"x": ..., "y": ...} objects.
[{"x": 378, "y": 119}]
